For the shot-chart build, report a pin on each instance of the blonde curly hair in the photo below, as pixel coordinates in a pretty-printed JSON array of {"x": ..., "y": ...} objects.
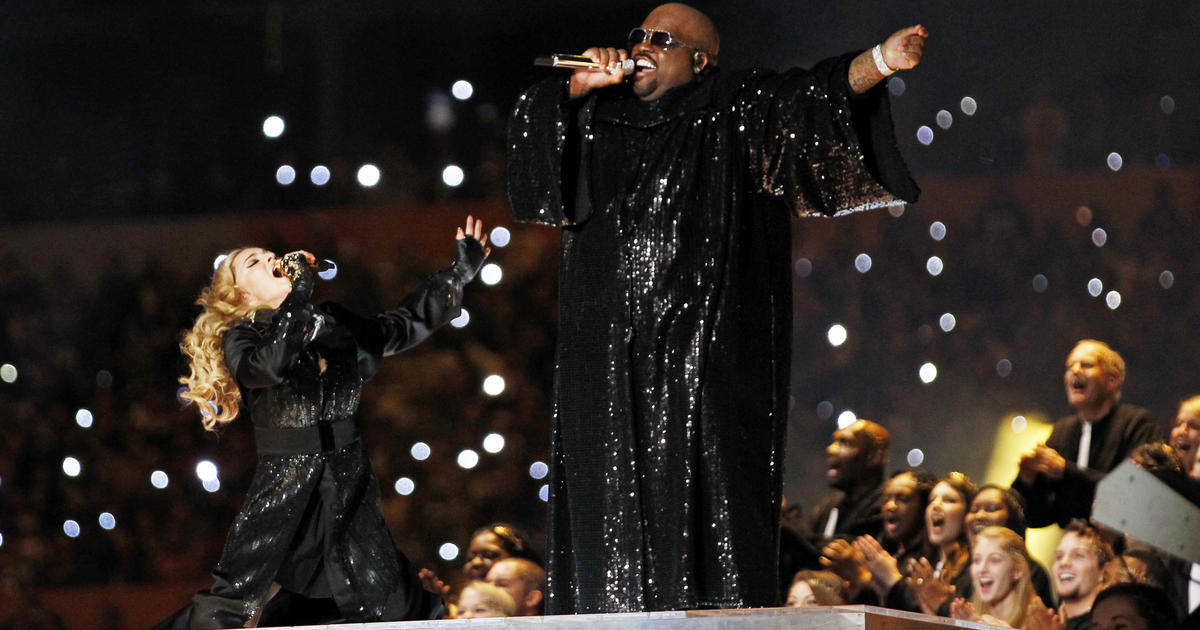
[{"x": 209, "y": 383}]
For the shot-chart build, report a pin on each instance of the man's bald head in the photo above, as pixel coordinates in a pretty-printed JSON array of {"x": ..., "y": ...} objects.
[
  {"x": 693, "y": 48},
  {"x": 690, "y": 25}
]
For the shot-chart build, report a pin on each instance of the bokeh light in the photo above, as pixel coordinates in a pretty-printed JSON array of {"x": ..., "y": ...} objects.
[
  {"x": 824, "y": 410},
  {"x": 368, "y": 175},
  {"x": 107, "y": 520},
  {"x": 448, "y": 551},
  {"x": 8, "y": 373},
  {"x": 71, "y": 528},
  {"x": 803, "y": 267},
  {"x": 1019, "y": 424},
  {"x": 462, "y": 320},
  {"x": 319, "y": 175},
  {"x": 1114, "y": 161},
  {"x": 836, "y": 335},
  {"x": 944, "y": 119},
  {"x": 1167, "y": 105},
  {"x": 453, "y": 175},
  {"x": 925, "y": 135},
  {"x": 1099, "y": 237},
  {"x": 420, "y": 451},
  {"x": 71, "y": 467},
  {"x": 273, "y": 127},
  {"x": 1166, "y": 279},
  {"x": 493, "y": 385},
  {"x": 968, "y": 105},
  {"x": 1004, "y": 368},
  {"x": 934, "y": 266},
  {"x": 544, "y": 492},
  {"x": 538, "y": 470},
  {"x": 404, "y": 486},
  {"x": 862, "y": 263},
  {"x": 491, "y": 274},
  {"x": 937, "y": 230},
  {"x": 285, "y": 175},
  {"x": 1113, "y": 300},
  {"x": 84, "y": 418},
  {"x": 1040, "y": 283},
  {"x": 467, "y": 458},
  {"x": 500, "y": 236},
  {"x": 493, "y": 443},
  {"x": 1095, "y": 287},
  {"x": 462, "y": 89},
  {"x": 915, "y": 457},
  {"x": 928, "y": 373},
  {"x": 159, "y": 479},
  {"x": 206, "y": 470},
  {"x": 211, "y": 485},
  {"x": 896, "y": 86},
  {"x": 947, "y": 322},
  {"x": 846, "y": 418}
]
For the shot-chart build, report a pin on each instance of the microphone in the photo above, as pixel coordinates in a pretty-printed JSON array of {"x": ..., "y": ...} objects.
[{"x": 576, "y": 62}]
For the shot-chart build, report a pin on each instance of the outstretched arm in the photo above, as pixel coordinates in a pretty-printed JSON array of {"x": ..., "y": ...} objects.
[{"x": 901, "y": 51}]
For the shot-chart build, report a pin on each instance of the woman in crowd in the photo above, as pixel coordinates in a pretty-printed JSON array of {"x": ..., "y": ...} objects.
[
  {"x": 935, "y": 583},
  {"x": 492, "y": 543},
  {"x": 311, "y": 520},
  {"x": 1000, "y": 577},
  {"x": 905, "y": 496},
  {"x": 995, "y": 505},
  {"x": 816, "y": 588}
]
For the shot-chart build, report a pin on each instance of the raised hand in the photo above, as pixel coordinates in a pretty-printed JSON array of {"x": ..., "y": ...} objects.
[
  {"x": 902, "y": 50},
  {"x": 470, "y": 252},
  {"x": 585, "y": 80},
  {"x": 885, "y": 571},
  {"x": 930, "y": 591}
]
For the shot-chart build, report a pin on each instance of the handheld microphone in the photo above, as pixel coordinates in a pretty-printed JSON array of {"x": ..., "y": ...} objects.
[{"x": 576, "y": 62}]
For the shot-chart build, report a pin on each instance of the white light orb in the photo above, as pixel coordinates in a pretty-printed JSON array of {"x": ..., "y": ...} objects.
[
  {"x": 404, "y": 486},
  {"x": 71, "y": 467},
  {"x": 915, "y": 457},
  {"x": 944, "y": 119},
  {"x": 159, "y": 479},
  {"x": 968, "y": 105},
  {"x": 1004, "y": 368},
  {"x": 1166, "y": 279},
  {"x": 1113, "y": 300},
  {"x": 493, "y": 443},
  {"x": 273, "y": 127},
  {"x": 803, "y": 267},
  {"x": 1167, "y": 105},
  {"x": 862, "y": 263},
  {"x": 8, "y": 373},
  {"x": 420, "y": 451},
  {"x": 84, "y": 418},
  {"x": 319, "y": 175},
  {"x": 107, "y": 520},
  {"x": 462, "y": 320},
  {"x": 491, "y": 274},
  {"x": 1019, "y": 424},
  {"x": 1040, "y": 283},
  {"x": 934, "y": 266},
  {"x": 206, "y": 470},
  {"x": 1095, "y": 287},
  {"x": 937, "y": 230},
  {"x": 71, "y": 528},
  {"x": 947, "y": 322},
  {"x": 448, "y": 551},
  {"x": 544, "y": 492},
  {"x": 925, "y": 135},
  {"x": 462, "y": 89},
  {"x": 846, "y": 418},
  {"x": 500, "y": 236},
  {"x": 211, "y": 485},
  {"x": 368, "y": 175},
  {"x": 837, "y": 335},
  {"x": 896, "y": 86},
  {"x": 285, "y": 175},
  {"x": 1099, "y": 237},
  {"x": 468, "y": 459},
  {"x": 538, "y": 470},
  {"x": 1114, "y": 161},
  {"x": 453, "y": 175},
  {"x": 493, "y": 385},
  {"x": 928, "y": 373},
  {"x": 1, "y": 540}
]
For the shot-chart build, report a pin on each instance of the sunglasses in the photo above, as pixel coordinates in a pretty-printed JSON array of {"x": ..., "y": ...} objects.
[{"x": 662, "y": 39}]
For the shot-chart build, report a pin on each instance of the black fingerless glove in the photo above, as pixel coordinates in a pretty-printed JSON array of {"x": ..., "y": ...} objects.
[
  {"x": 468, "y": 259},
  {"x": 297, "y": 269}
]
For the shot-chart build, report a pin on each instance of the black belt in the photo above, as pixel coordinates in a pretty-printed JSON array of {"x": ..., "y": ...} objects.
[{"x": 320, "y": 438}]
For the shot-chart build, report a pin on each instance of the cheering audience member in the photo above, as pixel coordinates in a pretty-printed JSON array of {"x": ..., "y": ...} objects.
[
  {"x": 1000, "y": 578},
  {"x": 997, "y": 506},
  {"x": 492, "y": 543},
  {"x": 1058, "y": 479},
  {"x": 1133, "y": 607},
  {"x": 480, "y": 599},
  {"x": 1185, "y": 435},
  {"x": 816, "y": 588},
  {"x": 904, "y": 498},
  {"x": 524, "y": 580},
  {"x": 1078, "y": 573}
]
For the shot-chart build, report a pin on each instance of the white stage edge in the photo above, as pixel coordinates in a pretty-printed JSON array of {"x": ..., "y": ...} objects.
[{"x": 822, "y": 618}]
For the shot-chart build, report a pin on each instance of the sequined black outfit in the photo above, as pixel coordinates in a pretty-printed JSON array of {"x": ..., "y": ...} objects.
[
  {"x": 311, "y": 518},
  {"x": 675, "y": 316}
]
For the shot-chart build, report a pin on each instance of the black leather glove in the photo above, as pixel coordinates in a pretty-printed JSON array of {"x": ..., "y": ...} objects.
[
  {"x": 295, "y": 266},
  {"x": 468, "y": 259}
]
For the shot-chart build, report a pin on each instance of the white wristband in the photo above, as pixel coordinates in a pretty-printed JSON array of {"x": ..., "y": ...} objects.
[{"x": 880, "y": 64}]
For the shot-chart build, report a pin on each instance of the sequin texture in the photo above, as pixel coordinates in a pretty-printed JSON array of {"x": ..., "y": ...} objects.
[{"x": 671, "y": 389}]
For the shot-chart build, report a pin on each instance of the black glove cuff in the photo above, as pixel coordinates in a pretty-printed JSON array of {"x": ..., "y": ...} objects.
[{"x": 468, "y": 259}]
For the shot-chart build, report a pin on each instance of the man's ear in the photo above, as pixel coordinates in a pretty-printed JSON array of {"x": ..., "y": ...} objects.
[
  {"x": 533, "y": 598},
  {"x": 699, "y": 62}
]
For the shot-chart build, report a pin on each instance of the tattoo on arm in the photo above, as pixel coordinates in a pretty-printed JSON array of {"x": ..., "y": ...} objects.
[{"x": 863, "y": 73}]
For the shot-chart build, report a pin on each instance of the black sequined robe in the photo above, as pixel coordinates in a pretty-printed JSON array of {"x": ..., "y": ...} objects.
[
  {"x": 311, "y": 521},
  {"x": 671, "y": 388}
]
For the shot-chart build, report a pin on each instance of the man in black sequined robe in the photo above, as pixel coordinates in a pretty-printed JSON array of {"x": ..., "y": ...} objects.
[{"x": 675, "y": 194}]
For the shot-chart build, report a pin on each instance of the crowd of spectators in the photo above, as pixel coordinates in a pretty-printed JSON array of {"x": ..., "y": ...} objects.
[{"x": 1015, "y": 284}]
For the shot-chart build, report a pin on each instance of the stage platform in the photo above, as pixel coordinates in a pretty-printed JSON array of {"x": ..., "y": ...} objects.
[{"x": 824, "y": 618}]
